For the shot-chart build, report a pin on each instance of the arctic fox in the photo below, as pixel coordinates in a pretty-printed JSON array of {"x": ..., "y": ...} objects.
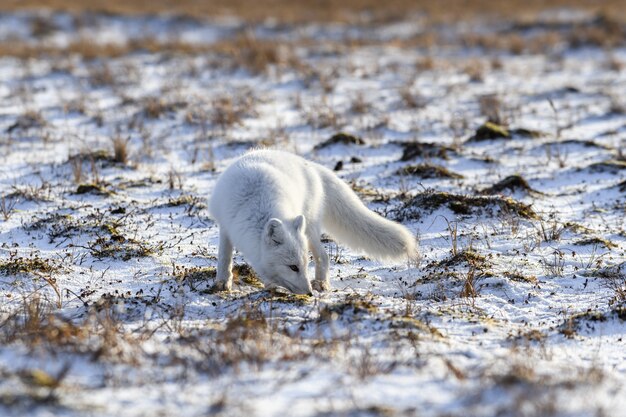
[{"x": 273, "y": 205}]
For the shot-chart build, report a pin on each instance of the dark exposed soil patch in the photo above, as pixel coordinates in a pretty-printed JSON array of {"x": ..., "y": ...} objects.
[
  {"x": 91, "y": 188},
  {"x": 490, "y": 131},
  {"x": 511, "y": 183},
  {"x": 341, "y": 138},
  {"x": 595, "y": 241},
  {"x": 581, "y": 142},
  {"x": 93, "y": 156},
  {"x": 24, "y": 265},
  {"x": 428, "y": 171},
  {"x": 429, "y": 201},
  {"x": 423, "y": 150},
  {"x": 466, "y": 257},
  {"x": 611, "y": 165}
]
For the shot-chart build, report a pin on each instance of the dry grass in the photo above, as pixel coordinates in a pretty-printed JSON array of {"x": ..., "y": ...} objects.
[
  {"x": 15, "y": 264},
  {"x": 411, "y": 100},
  {"x": 155, "y": 107},
  {"x": 475, "y": 70},
  {"x": 100, "y": 334},
  {"x": 491, "y": 107},
  {"x": 90, "y": 50},
  {"x": 258, "y": 331},
  {"x": 312, "y": 10},
  {"x": 603, "y": 30},
  {"x": 120, "y": 149},
  {"x": 243, "y": 51},
  {"x": 615, "y": 280},
  {"x": 229, "y": 110},
  {"x": 7, "y": 207},
  {"x": 257, "y": 55},
  {"x": 360, "y": 105}
]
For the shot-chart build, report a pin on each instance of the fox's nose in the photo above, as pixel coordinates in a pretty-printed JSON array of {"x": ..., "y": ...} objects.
[{"x": 308, "y": 290}]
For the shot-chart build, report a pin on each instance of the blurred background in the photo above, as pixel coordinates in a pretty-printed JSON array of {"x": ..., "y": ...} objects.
[{"x": 324, "y": 10}]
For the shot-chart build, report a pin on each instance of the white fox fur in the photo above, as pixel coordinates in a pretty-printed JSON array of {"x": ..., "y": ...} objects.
[{"x": 273, "y": 205}]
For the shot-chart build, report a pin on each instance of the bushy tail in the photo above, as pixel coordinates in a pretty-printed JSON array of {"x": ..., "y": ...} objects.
[{"x": 349, "y": 221}]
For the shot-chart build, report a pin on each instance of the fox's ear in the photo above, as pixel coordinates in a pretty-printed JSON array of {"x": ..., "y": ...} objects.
[
  {"x": 299, "y": 223},
  {"x": 274, "y": 232}
]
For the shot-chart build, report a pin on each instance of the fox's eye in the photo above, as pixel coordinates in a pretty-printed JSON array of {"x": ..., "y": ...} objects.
[{"x": 294, "y": 268}]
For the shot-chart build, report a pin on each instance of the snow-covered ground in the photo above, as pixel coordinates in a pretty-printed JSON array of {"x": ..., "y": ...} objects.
[{"x": 516, "y": 307}]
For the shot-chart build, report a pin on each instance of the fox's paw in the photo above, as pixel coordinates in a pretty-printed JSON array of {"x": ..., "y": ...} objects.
[
  {"x": 223, "y": 285},
  {"x": 321, "y": 286}
]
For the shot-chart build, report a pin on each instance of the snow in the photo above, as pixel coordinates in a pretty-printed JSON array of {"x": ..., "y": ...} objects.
[{"x": 542, "y": 335}]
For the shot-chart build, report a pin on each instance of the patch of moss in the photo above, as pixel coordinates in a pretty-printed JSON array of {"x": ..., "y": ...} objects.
[
  {"x": 577, "y": 228},
  {"x": 461, "y": 204},
  {"x": 120, "y": 248},
  {"x": 516, "y": 276},
  {"x": 428, "y": 171},
  {"x": 416, "y": 149},
  {"x": 195, "y": 275},
  {"x": 438, "y": 275},
  {"x": 282, "y": 297},
  {"x": 244, "y": 274},
  {"x": 112, "y": 230},
  {"x": 92, "y": 188},
  {"x": 466, "y": 257},
  {"x": 341, "y": 138},
  {"x": 511, "y": 183},
  {"x": 353, "y": 304},
  {"x": 61, "y": 225},
  {"x": 596, "y": 241},
  {"x": 489, "y": 131},
  {"x": 185, "y": 200},
  {"x": 97, "y": 155},
  {"x": 21, "y": 265}
]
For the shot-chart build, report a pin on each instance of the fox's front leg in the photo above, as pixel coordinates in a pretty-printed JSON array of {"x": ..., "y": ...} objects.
[
  {"x": 321, "y": 281},
  {"x": 224, "y": 279}
]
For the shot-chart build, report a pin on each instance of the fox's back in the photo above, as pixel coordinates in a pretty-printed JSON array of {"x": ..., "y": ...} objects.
[{"x": 266, "y": 182}]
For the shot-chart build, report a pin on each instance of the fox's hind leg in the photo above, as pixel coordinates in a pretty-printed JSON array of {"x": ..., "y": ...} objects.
[
  {"x": 224, "y": 280},
  {"x": 321, "y": 281}
]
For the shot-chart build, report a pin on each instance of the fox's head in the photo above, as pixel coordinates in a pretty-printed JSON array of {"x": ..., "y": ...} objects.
[{"x": 285, "y": 255}]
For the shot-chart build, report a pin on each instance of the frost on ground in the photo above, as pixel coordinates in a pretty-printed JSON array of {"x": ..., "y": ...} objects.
[{"x": 501, "y": 147}]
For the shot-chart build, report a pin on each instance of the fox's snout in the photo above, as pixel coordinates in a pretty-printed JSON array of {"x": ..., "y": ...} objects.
[
  {"x": 301, "y": 287},
  {"x": 308, "y": 290}
]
